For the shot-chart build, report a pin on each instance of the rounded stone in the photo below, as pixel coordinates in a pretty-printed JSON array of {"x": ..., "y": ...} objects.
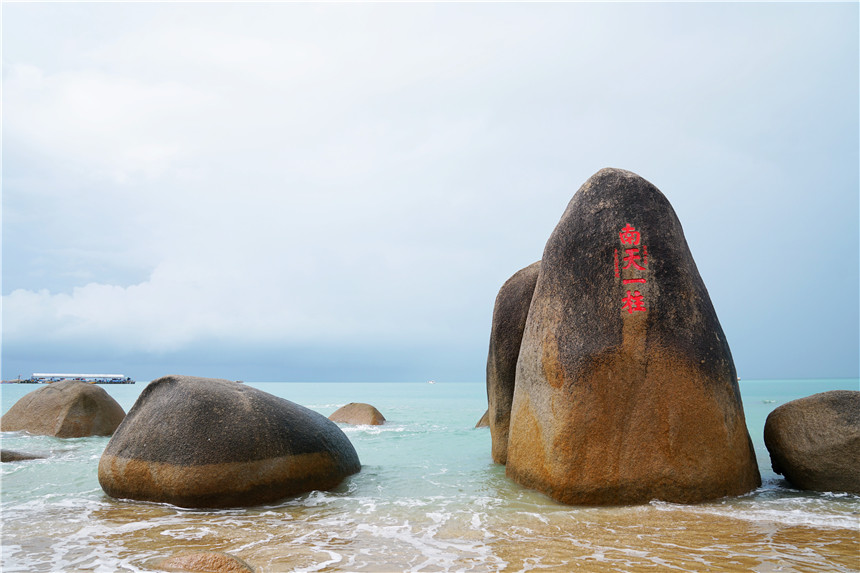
[
  {"x": 201, "y": 442},
  {"x": 67, "y": 409},
  {"x": 358, "y": 413},
  {"x": 625, "y": 388},
  {"x": 207, "y": 561},
  {"x": 815, "y": 441}
]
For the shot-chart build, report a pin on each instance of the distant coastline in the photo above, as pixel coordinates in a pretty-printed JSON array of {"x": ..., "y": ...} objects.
[{"x": 50, "y": 378}]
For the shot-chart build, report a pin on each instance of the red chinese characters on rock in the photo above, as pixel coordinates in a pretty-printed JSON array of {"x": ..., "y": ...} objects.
[{"x": 635, "y": 259}]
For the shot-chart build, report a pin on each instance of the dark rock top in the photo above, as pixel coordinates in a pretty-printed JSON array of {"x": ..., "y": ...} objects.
[
  {"x": 183, "y": 420},
  {"x": 620, "y": 220}
]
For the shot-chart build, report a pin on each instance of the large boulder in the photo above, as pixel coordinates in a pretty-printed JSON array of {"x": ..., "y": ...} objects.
[
  {"x": 68, "y": 409},
  {"x": 815, "y": 441},
  {"x": 506, "y": 334},
  {"x": 358, "y": 413},
  {"x": 625, "y": 387},
  {"x": 200, "y": 442}
]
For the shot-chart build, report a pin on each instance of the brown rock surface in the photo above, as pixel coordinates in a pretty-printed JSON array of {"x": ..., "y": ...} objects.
[
  {"x": 509, "y": 320},
  {"x": 625, "y": 386},
  {"x": 205, "y": 561},
  {"x": 815, "y": 441},
  {"x": 68, "y": 409},
  {"x": 358, "y": 413}
]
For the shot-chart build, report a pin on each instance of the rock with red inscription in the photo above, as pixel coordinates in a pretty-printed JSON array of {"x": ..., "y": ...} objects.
[
  {"x": 815, "y": 441},
  {"x": 358, "y": 413},
  {"x": 67, "y": 409},
  {"x": 509, "y": 320},
  {"x": 200, "y": 442},
  {"x": 625, "y": 388}
]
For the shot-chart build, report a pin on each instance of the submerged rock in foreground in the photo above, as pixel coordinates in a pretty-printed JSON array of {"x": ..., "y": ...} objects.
[
  {"x": 200, "y": 442},
  {"x": 67, "y": 409},
  {"x": 625, "y": 388},
  {"x": 815, "y": 441}
]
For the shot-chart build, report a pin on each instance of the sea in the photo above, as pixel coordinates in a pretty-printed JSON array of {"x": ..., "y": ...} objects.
[{"x": 428, "y": 498}]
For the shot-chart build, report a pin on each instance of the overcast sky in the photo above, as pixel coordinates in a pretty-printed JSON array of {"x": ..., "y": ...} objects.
[{"x": 302, "y": 192}]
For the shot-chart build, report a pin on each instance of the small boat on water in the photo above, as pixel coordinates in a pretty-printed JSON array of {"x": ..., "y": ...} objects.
[{"x": 431, "y": 381}]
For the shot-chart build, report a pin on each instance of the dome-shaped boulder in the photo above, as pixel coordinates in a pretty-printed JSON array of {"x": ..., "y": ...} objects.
[
  {"x": 67, "y": 409},
  {"x": 358, "y": 413},
  {"x": 815, "y": 441},
  {"x": 201, "y": 442}
]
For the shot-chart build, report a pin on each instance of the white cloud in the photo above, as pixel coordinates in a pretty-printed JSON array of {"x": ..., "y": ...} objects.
[{"x": 318, "y": 172}]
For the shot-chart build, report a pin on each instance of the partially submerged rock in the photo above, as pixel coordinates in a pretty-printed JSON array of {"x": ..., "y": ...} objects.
[
  {"x": 208, "y": 561},
  {"x": 625, "y": 386},
  {"x": 13, "y": 456},
  {"x": 358, "y": 413},
  {"x": 484, "y": 422},
  {"x": 199, "y": 442},
  {"x": 68, "y": 409},
  {"x": 815, "y": 441},
  {"x": 509, "y": 320}
]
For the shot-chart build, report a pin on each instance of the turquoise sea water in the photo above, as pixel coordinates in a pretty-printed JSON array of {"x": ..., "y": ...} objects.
[{"x": 428, "y": 498}]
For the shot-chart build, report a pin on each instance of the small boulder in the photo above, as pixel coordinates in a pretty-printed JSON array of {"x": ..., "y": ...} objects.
[
  {"x": 484, "y": 422},
  {"x": 625, "y": 388},
  {"x": 205, "y": 561},
  {"x": 201, "y": 443},
  {"x": 359, "y": 414},
  {"x": 13, "y": 456},
  {"x": 68, "y": 409},
  {"x": 815, "y": 441},
  {"x": 506, "y": 334}
]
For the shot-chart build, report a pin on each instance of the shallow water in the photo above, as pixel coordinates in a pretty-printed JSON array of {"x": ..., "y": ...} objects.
[{"x": 428, "y": 498}]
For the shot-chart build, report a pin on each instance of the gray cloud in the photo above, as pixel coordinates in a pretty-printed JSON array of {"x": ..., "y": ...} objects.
[{"x": 366, "y": 176}]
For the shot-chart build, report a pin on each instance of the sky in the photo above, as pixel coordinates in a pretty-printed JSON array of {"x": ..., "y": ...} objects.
[{"x": 336, "y": 192}]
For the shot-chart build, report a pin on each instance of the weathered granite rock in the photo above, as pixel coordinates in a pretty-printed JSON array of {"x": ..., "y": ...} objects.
[
  {"x": 509, "y": 320},
  {"x": 358, "y": 413},
  {"x": 68, "y": 409},
  {"x": 484, "y": 422},
  {"x": 199, "y": 442},
  {"x": 13, "y": 456},
  {"x": 625, "y": 388},
  {"x": 208, "y": 561},
  {"x": 815, "y": 441}
]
